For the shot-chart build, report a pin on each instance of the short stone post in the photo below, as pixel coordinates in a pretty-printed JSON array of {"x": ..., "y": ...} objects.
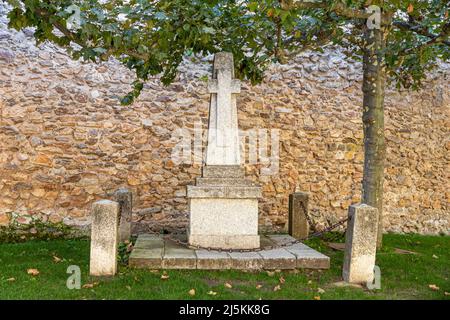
[
  {"x": 360, "y": 244},
  {"x": 298, "y": 209},
  {"x": 104, "y": 238},
  {"x": 125, "y": 199}
]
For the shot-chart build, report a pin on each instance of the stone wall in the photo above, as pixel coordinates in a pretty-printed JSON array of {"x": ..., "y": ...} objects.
[{"x": 65, "y": 140}]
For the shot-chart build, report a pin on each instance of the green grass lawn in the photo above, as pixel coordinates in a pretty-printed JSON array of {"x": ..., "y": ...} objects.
[{"x": 403, "y": 276}]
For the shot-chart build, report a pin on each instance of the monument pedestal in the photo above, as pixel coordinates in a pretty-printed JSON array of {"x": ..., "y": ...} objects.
[{"x": 223, "y": 208}]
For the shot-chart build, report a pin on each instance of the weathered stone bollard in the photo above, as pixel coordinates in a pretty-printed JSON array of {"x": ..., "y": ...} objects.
[
  {"x": 360, "y": 244},
  {"x": 298, "y": 209},
  {"x": 125, "y": 199},
  {"x": 104, "y": 238}
]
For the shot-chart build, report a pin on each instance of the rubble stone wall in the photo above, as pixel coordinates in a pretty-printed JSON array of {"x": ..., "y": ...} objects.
[{"x": 66, "y": 141}]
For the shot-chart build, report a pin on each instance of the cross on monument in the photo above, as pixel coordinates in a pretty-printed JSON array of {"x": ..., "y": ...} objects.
[
  {"x": 223, "y": 205},
  {"x": 223, "y": 135}
]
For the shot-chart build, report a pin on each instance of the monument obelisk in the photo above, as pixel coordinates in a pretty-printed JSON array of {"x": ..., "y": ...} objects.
[{"x": 223, "y": 205}]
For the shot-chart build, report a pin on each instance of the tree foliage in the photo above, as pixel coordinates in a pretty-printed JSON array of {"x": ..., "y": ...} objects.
[{"x": 152, "y": 37}]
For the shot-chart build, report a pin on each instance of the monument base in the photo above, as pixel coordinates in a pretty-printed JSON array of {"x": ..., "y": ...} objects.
[
  {"x": 223, "y": 209},
  {"x": 225, "y": 241},
  {"x": 158, "y": 252}
]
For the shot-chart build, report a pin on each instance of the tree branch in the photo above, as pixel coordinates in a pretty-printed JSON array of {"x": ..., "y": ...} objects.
[
  {"x": 74, "y": 37},
  {"x": 296, "y": 4},
  {"x": 339, "y": 8},
  {"x": 420, "y": 30}
]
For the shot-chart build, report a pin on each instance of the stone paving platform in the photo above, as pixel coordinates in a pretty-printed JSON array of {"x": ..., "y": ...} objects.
[{"x": 154, "y": 252}]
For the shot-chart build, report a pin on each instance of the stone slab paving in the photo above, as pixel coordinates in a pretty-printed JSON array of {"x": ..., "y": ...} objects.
[
  {"x": 176, "y": 257},
  {"x": 147, "y": 252},
  {"x": 213, "y": 260},
  {"x": 246, "y": 260},
  {"x": 154, "y": 252},
  {"x": 278, "y": 258}
]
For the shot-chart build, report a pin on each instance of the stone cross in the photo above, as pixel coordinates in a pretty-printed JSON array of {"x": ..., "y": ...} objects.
[
  {"x": 223, "y": 135},
  {"x": 223, "y": 205}
]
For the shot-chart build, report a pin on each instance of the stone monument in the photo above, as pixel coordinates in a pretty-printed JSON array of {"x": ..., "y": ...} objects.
[{"x": 223, "y": 205}]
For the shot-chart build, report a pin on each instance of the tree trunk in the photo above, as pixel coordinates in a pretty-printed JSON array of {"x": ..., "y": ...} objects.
[{"x": 373, "y": 122}]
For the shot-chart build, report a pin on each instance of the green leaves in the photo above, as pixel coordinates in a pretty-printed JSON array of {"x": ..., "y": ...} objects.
[
  {"x": 17, "y": 19},
  {"x": 208, "y": 30},
  {"x": 151, "y": 37}
]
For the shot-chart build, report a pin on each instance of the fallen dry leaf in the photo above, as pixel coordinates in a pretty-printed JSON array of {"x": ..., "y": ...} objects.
[
  {"x": 282, "y": 280},
  {"x": 277, "y": 287},
  {"x": 435, "y": 256},
  {"x": 433, "y": 287},
  {"x": 270, "y": 273},
  {"x": 309, "y": 281},
  {"x": 56, "y": 259},
  {"x": 258, "y": 286},
  {"x": 211, "y": 293},
  {"x": 89, "y": 285},
  {"x": 228, "y": 285},
  {"x": 164, "y": 276},
  {"x": 410, "y": 8},
  {"x": 33, "y": 272},
  {"x": 317, "y": 298},
  {"x": 192, "y": 292},
  {"x": 320, "y": 290},
  {"x": 130, "y": 247},
  {"x": 446, "y": 293},
  {"x": 14, "y": 279}
]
